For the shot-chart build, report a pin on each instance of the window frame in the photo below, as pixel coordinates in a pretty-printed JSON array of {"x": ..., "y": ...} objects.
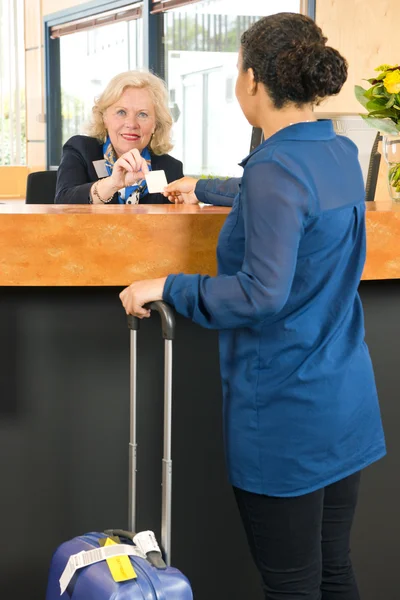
[
  {"x": 159, "y": 6},
  {"x": 307, "y": 7}
]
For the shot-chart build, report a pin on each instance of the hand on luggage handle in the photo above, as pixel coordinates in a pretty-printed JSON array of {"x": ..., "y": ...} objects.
[{"x": 167, "y": 319}]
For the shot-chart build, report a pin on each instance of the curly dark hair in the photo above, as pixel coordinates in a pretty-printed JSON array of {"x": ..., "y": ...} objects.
[{"x": 288, "y": 54}]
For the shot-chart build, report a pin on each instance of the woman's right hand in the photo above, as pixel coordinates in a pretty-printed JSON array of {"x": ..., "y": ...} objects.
[
  {"x": 128, "y": 169},
  {"x": 182, "y": 191}
]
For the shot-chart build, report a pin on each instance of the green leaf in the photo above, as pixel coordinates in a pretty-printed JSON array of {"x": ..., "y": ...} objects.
[
  {"x": 389, "y": 113},
  {"x": 384, "y": 125},
  {"x": 378, "y": 114},
  {"x": 391, "y": 101},
  {"x": 376, "y": 91},
  {"x": 376, "y": 105},
  {"x": 360, "y": 95},
  {"x": 394, "y": 175},
  {"x": 369, "y": 93},
  {"x": 381, "y": 76},
  {"x": 383, "y": 115},
  {"x": 379, "y": 90}
]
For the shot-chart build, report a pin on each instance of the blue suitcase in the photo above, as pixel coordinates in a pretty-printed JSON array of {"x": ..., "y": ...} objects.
[{"x": 78, "y": 569}]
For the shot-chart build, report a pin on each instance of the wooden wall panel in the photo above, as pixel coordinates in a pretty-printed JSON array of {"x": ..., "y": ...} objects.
[
  {"x": 34, "y": 84},
  {"x": 366, "y": 33},
  {"x": 36, "y": 155},
  {"x": 13, "y": 181},
  {"x": 51, "y": 6},
  {"x": 35, "y": 128},
  {"x": 33, "y": 24}
]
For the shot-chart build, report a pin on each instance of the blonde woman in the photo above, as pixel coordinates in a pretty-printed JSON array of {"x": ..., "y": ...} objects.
[{"x": 129, "y": 134}]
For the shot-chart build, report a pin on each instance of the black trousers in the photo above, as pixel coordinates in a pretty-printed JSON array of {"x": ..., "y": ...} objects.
[{"x": 301, "y": 545}]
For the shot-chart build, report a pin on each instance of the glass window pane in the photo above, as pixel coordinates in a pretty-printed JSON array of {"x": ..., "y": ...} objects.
[
  {"x": 100, "y": 54},
  {"x": 12, "y": 83},
  {"x": 211, "y": 135}
]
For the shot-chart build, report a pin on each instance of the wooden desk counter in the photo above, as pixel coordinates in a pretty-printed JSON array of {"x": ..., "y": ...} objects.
[{"x": 82, "y": 245}]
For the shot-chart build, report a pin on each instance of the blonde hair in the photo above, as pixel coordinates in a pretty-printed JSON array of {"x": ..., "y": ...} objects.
[{"x": 160, "y": 142}]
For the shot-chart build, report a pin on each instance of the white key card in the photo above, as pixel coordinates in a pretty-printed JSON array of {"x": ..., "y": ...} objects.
[
  {"x": 156, "y": 181},
  {"x": 100, "y": 168}
]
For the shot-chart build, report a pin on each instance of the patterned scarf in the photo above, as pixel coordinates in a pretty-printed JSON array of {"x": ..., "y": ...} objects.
[{"x": 140, "y": 187}]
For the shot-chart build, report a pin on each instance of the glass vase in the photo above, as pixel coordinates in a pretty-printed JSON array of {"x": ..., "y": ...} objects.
[{"x": 391, "y": 153}]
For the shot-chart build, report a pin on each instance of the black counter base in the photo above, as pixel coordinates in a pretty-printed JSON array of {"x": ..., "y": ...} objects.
[{"x": 64, "y": 426}]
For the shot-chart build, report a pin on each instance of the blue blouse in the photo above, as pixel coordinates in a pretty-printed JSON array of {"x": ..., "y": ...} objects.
[{"x": 299, "y": 397}]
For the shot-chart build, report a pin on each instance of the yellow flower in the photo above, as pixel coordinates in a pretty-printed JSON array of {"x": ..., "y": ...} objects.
[
  {"x": 385, "y": 67},
  {"x": 392, "y": 82}
]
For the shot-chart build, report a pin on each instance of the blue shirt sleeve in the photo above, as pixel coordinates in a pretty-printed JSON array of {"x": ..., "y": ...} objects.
[
  {"x": 275, "y": 207},
  {"x": 219, "y": 192}
]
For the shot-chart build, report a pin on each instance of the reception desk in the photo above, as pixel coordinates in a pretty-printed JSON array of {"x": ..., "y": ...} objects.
[
  {"x": 114, "y": 245},
  {"x": 64, "y": 390}
]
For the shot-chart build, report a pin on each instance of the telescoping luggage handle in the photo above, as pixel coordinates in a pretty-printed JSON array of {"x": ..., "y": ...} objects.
[{"x": 168, "y": 331}]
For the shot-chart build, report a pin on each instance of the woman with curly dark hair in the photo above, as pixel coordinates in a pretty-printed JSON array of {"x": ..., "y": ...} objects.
[{"x": 301, "y": 413}]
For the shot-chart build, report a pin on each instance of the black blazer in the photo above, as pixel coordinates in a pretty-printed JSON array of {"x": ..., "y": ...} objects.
[{"x": 76, "y": 173}]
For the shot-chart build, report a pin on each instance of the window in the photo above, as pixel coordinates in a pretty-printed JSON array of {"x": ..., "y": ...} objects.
[
  {"x": 82, "y": 56},
  {"x": 100, "y": 53},
  {"x": 211, "y": 135},
  {"x": 12, "y": 87}
]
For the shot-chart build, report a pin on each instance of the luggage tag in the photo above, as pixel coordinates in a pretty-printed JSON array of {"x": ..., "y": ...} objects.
[
  {"x": 114, "y": 538},
  {"x": 85, "y": 558},
  {"x": 121, "y": 568},
  {"x": 146, "y": 542},
  {"x": 156, "y": 181}
]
